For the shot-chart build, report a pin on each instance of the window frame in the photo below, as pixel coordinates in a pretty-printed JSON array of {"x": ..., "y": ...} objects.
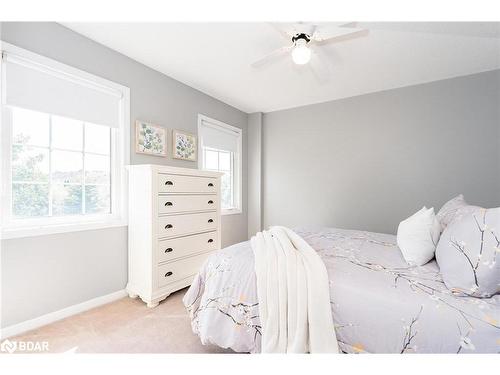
[
  {"x": 120, "y": 157},
  {"x": 237, "y": 160}
]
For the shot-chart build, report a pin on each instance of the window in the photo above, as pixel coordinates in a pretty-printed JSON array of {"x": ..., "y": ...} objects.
[
  {"x": 222, "y": 161},
  {"x": 221, "y": 151},
  {"x": 59, "y": 166},
  {"x": 64, "y": 147}
]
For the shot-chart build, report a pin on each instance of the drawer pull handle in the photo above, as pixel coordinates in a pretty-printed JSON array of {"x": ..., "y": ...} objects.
[
  {"x": 168, "y": 226},
  {"x": 210, "y": 202},
  {"x": 210, "y": 240},
  {"x": 210, "y": 184},
  {"x": 210, "y": 220},
  {"x": 169, "y": 183},
  {"x": 169, "y": 250},
  {"x": 169, "y": 204},
  {"x": 169, "y": 273}
]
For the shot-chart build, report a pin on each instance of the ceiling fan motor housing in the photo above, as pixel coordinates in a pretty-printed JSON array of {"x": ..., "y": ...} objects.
[{"x": 303, "y": 36}]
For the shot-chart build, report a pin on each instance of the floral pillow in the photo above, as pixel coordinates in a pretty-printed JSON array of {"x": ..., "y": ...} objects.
[
  {"x": 468, "y": 253},
  {"x": 452, "y": 209}
]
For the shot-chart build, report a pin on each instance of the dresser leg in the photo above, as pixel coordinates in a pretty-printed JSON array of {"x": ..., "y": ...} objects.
[
  {"x": 132, "y": 295},
  {"x": 152, "y": 304}
]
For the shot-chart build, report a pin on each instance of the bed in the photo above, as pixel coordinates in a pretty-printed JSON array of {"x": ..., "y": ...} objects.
[{"x": 379, "y": 304}]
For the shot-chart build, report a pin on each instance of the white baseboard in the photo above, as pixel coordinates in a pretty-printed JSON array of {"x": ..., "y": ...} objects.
[{"x": 28, "y": 325}]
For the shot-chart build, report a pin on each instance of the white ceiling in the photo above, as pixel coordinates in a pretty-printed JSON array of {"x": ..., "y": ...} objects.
[{"x": 215, "y": 58}]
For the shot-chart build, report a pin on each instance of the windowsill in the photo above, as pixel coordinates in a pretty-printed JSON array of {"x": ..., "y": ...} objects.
[
  {"x": 233, "y": 211},
  {"x": 43, "y": 230}
]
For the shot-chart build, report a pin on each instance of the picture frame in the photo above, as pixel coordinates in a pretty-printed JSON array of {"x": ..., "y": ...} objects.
[
  {"x": 184, "y": 145},
  {"x": 150, "y": 139}
]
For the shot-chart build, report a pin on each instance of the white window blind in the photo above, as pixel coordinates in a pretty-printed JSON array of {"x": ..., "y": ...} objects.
[
  {"x": 217, "y": 137},
  {"x": 65, "y": 143},
  {"x": 35, "y": 86}
]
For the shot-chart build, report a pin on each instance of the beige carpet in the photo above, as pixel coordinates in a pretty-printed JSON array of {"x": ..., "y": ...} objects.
[{"x": 125, "y": 326}]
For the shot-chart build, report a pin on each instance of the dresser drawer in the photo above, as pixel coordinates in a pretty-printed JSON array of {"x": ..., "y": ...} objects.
[
  {"x": 181, "y": 269},
  {"x": 186, "y": 184},
  {"x": 184, "y": 203},
  {"x": 177, "y": 225},
  {"x": 185, "y": 246}
]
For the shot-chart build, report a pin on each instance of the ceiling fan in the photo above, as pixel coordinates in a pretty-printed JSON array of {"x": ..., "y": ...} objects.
[{"x": 303, "y": 36}]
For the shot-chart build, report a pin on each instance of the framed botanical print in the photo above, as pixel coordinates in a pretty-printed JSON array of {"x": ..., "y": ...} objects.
[
  {"x": 150, "y": 139},
  {"x": 184, "y": 145}
]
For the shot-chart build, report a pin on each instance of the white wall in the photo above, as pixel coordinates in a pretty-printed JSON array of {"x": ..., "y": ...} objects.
[{"x": 44, "y": 274}]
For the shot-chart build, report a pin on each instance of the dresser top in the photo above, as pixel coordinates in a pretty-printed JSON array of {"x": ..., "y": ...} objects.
[{"x": 173, "y": 170}]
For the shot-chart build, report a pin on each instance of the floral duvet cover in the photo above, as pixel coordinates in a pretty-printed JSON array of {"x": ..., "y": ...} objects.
[{"x": 379, "y": 303}]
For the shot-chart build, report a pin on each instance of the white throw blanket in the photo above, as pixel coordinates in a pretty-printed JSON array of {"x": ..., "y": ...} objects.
[{"x": 293, "y": 294}]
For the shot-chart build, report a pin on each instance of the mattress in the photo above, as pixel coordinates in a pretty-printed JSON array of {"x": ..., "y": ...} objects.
[{"x": 379, "y": 303}]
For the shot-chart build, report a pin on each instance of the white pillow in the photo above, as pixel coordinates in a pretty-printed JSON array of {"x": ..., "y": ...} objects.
[{"x": 418, "y": 237}]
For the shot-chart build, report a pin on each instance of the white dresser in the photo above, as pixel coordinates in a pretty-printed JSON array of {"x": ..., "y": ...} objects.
[{"x": 174, "y": 224}]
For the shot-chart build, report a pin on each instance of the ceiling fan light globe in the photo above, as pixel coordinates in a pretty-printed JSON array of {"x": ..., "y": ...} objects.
[{"x": 301, "y": 55}]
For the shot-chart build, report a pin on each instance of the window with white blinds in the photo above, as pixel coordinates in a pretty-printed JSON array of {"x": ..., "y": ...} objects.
[
  {"x": 65, "y": 141},
  {"x": 45, "y": 89},
  {"x": 220, "y": 145}
]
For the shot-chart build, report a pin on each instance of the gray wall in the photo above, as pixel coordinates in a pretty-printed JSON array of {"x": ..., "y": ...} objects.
[
  {"x": 254, "y": 173},
  {"x": 45, "y": 274},
  {"x": 370, "y": 161}
]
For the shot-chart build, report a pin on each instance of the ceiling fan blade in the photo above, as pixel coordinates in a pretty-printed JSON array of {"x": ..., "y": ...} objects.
[
  {"x": 320, "y": 75},
  {"x": 280, "y": 28},
  {"x": 312, "y": 30},
  {"x": 272, "y": 56},
  {"x": 340, "y": 34},
  {"x": 319, "y": 67}
]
